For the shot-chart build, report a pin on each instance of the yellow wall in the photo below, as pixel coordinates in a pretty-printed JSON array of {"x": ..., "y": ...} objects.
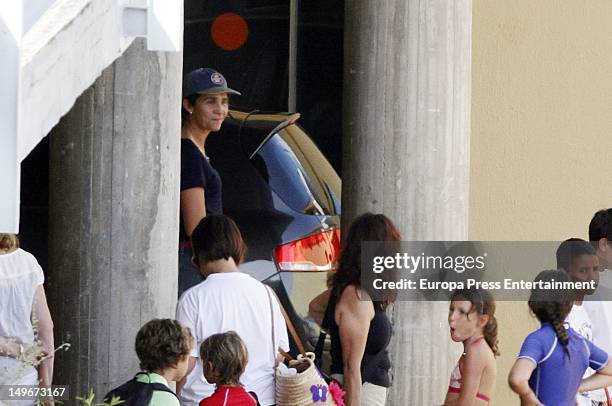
[{"x": 541, "y": 142}]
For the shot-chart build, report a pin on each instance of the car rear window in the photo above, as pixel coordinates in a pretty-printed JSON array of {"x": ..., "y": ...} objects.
[{"x": 298, "y": 172}]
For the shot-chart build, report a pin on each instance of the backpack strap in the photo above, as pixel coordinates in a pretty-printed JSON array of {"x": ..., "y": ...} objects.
[
  {"x": 155, "y": 385},
  {"x": 162, "y": 388}
]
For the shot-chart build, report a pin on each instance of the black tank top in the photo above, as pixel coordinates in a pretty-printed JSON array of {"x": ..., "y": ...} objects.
[{"x": 375, "y": 363}]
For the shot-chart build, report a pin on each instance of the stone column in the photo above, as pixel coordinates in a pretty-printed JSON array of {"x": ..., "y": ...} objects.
[
  {"x": 406, "y": 150},
  {"x": 113, "y": 216}
]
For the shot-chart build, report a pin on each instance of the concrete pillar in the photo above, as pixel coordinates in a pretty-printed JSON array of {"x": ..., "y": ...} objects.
[
  {"x": 406, "y": 149},
  {"x": 113, "y": 216}
]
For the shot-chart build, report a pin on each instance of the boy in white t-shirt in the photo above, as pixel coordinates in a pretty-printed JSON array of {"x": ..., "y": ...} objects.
[
  {"x": 599, "y": 305},
  {"x": 579, "y": 259}
]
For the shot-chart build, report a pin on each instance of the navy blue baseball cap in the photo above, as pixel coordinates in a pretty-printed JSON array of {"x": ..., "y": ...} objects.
[{"x": 205, "y": 81}]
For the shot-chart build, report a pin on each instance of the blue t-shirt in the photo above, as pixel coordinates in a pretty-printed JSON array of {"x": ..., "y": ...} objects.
[
  {"x": 196, "y": 171},
  {"x": 556, "y": 378}
]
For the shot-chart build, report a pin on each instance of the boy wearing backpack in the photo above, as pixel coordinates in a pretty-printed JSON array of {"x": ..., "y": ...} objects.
[{"x": 163, "y": 348}]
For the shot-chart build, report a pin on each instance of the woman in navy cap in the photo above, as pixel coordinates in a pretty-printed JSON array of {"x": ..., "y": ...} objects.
[{"x": 205, "y": 106}]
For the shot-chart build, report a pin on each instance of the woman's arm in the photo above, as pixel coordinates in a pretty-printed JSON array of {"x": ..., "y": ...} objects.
[
  {"x": 40, "y": 310},
  {"x": 518, "y": 379},
  {"x": 30, "y": 353},
  {"x": 318, "y": 305},
  {"x": 353, "y": 317},
  {"x": 193, "y": 208},
  {"x": 473, "y": 368},
  {"x": 10, "y": 348},
  {"x": 600, "y": 379}
]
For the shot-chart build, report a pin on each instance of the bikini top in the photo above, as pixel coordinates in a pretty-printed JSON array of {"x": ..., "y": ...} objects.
[{"x": 455, "y": 381}]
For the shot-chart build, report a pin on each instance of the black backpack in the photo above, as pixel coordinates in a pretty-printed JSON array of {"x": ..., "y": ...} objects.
[{"x": 134, "y": 393}]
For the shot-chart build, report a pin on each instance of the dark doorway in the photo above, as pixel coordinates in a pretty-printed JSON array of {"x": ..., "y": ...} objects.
[
  {"x": 257, "y": 64},
  {"x": 34, "y": 208}
]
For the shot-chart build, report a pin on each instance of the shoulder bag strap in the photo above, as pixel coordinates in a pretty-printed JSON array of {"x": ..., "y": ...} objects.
[
  {"x": 276, "y": 361},
  {"x": 325, "y": 324},
  {"x": 290, "y": 326}
]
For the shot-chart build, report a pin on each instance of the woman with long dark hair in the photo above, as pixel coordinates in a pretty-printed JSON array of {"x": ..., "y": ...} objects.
[{"x": 359, "y": 327}]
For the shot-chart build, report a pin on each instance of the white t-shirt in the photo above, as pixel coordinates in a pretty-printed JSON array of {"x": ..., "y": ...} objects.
[
  {"x": 20, "y": 275},
  {"x": 600, "y": 313},
  {"x": 579, "y": 320},
  {"x": 233, "y": 301}
]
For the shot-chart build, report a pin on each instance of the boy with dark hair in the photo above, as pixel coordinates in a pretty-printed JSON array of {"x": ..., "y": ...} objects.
[
  {"x": 209, "y": 247},
  {"x": 579, "y": 259},
  {"x": 599, "y": 307},
  {"x": 163, "y": 348},
  {"x": 600, "y": 233}
]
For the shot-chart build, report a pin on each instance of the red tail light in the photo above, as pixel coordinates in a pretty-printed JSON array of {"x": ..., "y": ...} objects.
[{"x": 315, "y": 253}]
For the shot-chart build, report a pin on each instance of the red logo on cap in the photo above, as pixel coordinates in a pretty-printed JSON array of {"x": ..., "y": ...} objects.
[{"x": 216, "y": 78}]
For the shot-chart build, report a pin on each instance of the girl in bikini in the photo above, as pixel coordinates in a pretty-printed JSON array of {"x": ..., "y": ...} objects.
[{"x": 471, "y": 319}]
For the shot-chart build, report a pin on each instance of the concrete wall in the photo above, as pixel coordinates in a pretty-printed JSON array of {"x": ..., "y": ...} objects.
[
  {"x": 541, "y": 140},
  {"x": 33, "y": 11},
  {"x": 61, "y": 56}
]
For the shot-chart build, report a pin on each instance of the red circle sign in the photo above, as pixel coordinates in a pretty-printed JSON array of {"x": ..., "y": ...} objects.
[{"x": 229, "y": 31}]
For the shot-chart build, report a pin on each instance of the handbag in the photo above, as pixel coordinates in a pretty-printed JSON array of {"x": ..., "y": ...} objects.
[{"x": 307, "y": 386}]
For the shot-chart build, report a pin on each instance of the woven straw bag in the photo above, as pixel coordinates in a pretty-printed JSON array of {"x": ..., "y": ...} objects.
[{"x": 306, "y": 388}]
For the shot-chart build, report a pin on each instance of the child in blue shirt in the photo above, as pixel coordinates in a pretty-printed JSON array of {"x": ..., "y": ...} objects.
[{"x": 553, "y": 359}]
